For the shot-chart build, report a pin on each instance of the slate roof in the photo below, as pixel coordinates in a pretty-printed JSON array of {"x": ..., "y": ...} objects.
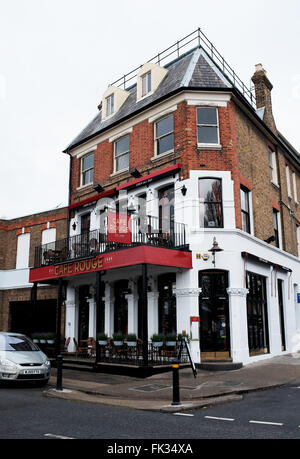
[{"x": 194, "y": 69}]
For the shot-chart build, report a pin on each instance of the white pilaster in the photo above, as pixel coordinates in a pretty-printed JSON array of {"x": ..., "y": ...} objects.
[
  {"x": 70, "y": 321},
  {"x": 238, "y": 324},
  {"x": 132, "y": 317},
  {"x": 187, "y": 306},
  {"x": 92, "y": 317},
  {"x": 152, "y": 313},
  {"x": 109, "y": 310}
]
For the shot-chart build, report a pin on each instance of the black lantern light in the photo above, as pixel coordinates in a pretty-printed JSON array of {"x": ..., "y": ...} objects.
[{"x": 215, "y": 248}]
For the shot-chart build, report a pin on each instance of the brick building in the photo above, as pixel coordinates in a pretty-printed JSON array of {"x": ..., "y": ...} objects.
[
  {"x": 211, "y": 186},
  {"x": 18, "y": 239}
]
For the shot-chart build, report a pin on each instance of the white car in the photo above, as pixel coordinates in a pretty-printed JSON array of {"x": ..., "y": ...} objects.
[{"x": 22, "y": 360}]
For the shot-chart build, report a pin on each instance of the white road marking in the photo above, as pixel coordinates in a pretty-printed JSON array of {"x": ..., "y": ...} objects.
[
  {"x": 58, "y": 436},
  {"x": 219, "y": 419},
  {"x": 266, "y": 423},
  {"x": 184, "y": 414}
]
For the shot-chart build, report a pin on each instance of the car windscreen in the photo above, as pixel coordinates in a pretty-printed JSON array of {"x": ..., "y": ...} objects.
[{"x": 16, "y": 343}]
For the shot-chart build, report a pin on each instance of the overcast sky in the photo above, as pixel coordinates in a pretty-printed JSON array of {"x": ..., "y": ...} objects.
[{"x": 57, "y": 58}]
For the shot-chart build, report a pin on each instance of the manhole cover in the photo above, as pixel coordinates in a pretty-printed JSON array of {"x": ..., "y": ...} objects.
[{"x": 151, "y": 387}]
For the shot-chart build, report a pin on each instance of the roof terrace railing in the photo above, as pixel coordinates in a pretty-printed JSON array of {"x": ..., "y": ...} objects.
[{"x": 197, "y": 38}]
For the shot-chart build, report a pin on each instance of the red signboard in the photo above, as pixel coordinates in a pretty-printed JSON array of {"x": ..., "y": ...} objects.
[
  {"x": 119, "y": 259},
  {"x": 118, "y": 228}
]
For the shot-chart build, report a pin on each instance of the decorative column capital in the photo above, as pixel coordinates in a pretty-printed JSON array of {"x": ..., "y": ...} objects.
[
  {"x": 242, "y": 292},
  {"x": 188, "y": 292},
  {"x": 129, "y": 296},
  {"x": 152, "y": 295},
  {"x": 70, "y": 304}
]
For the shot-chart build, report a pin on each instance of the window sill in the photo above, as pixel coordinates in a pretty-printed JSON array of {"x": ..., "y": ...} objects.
[
  {"x": 162, "y": 155},
  {"x": 83, "y": 187},
  {"x": 209, "y": 146},
  {"x": 123, "y": 171}
]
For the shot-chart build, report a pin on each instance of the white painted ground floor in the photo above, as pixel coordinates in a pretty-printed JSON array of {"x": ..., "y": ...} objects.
[{"x": 243, "y": 307}]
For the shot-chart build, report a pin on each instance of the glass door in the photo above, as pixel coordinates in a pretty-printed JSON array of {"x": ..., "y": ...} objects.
[{"x": 214, "y": 316}]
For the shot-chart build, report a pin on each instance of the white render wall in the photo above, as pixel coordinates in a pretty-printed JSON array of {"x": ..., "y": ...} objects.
[{"x": 233, "y": 242}]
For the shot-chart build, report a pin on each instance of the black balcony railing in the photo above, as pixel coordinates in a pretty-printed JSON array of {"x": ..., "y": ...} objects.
[{"x": 146, "y": 230}]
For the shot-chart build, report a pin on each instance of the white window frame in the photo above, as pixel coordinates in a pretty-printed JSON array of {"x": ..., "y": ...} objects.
[
  {"x": 146, "y": 87},
  {"x": 110, "y": 105},
  {"x": 273, "y": 166},
  {"x": 156, "y": 155},
  {"x": 203, "y": 144},
  {"x": 278, "y": 218},
  {"x": 84, "y": 171},
  {"x": 117, "y": 171},
  {"x": 288, "y": 181},
  {"x": 23, "y": 251},
  {"x": 295, "y": 187}
]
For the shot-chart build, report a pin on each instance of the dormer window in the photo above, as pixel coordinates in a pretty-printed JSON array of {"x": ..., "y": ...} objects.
[
  {"x": 110, "y": 105},
  {"x": 149, "y": 77},
  {"x": 146, "y": 83},
  {"x": 112, "y": 100}
]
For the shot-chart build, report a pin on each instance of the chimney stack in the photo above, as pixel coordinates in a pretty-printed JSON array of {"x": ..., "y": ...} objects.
[{"x": 263, "y": 88}]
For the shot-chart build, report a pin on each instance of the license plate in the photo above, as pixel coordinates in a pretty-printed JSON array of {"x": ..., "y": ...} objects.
[{"x": 32, "y": 372}]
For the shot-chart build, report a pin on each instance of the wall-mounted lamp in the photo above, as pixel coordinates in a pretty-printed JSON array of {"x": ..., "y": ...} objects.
[
  {"x": 215, "y": 248},
  {"x": 74, "y": 226},
  {"x": 98, "y": 188},
  {"x": 183, "y": 190},
  {"x": 135, "y": 173}
]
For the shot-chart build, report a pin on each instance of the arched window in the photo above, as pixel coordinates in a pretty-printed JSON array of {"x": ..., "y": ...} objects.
[{"x": 210, "y": 194}]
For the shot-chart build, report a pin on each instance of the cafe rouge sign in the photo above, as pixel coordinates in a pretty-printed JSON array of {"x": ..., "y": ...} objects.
[{"x": 77, "y": 267}]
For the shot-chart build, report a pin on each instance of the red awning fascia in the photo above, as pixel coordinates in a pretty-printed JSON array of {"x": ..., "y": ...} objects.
[
  {"x": 113, "y": 260},
  {"x": 150, "y": 177},
  {"x": 92, "y": 199}
]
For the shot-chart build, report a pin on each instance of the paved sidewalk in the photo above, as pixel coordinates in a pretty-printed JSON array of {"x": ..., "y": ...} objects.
[{"x": 156, "y": 392}]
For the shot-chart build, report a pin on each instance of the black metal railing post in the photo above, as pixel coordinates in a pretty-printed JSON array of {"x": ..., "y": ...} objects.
[
  {"x": 176, "y": 389},
  {"x": 145, "y": 314},
  {"x": 59, "y": 370}
]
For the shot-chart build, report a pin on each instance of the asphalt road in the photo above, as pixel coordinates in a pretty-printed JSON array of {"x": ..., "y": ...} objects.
[{"x": 26, "y": 414}]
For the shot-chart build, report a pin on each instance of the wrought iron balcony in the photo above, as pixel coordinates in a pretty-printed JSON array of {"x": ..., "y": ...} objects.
[{"x": 147, "y": 230}]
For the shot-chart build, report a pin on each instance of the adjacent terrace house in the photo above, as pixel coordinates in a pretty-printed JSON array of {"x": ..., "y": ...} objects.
[{"x": 183, "y": 217}]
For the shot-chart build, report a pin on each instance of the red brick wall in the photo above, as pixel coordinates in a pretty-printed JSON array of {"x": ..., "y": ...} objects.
[{"x": 33, "y": 224}]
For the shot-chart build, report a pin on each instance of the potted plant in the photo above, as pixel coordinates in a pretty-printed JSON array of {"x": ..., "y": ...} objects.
[
  {"x": 102, "y": 339},
  {"x": 50, "y": 338},
  {"x": 157, "y": 340},
  {"x": 131, "y": 339},
  {"x": 118, "y": 339},
  {"x": 42, "y": 338},
  {"x": 171, "y": 340},
  {"x": 182, "y": 336}
]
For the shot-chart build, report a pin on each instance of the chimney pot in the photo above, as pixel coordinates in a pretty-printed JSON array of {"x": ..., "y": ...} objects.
[
  {"x": 263, "y": 88},
  {"x": 259, "y": 68}
]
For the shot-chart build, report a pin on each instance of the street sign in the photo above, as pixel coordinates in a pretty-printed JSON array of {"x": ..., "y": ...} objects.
[{"x": 298, "y": 298}]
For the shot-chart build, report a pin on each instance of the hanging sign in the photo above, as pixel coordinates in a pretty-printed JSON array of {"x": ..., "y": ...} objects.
[{"x": 118, "y": 228}]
